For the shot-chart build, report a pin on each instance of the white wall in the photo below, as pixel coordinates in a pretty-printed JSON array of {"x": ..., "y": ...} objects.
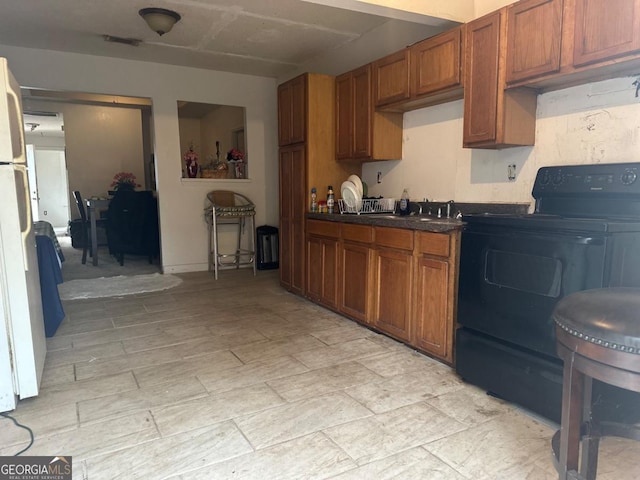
[
  {"x": 593, "y": 123},
  {"x": 181, "y": 201}
]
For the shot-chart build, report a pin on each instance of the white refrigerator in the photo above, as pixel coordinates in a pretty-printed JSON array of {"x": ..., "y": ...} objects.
[{"x": 22, "y": 339}]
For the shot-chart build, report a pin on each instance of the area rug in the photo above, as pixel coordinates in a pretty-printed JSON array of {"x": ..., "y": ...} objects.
[{"x": 116, "y": 286}]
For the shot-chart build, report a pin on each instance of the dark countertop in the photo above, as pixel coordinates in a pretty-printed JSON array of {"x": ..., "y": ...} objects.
[
  {"x": 410, "y": 222},
  {"x": 422, "y": 222}
]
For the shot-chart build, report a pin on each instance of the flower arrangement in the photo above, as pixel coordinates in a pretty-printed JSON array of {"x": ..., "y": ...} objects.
[
  {"x": 190, "y": 156},
  {"x": 191, "y": 161},
  {"x": 235, "y": 155},
  {"x": 124, "y": 181}
]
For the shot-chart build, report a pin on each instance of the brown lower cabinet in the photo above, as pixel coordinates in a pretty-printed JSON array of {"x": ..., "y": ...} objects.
[
  {"x": 393, "y": 280},
  {"x": 322, "y": 263},
  {"x": 400, "y": 282},
  {"x": 355, "y": 271}
]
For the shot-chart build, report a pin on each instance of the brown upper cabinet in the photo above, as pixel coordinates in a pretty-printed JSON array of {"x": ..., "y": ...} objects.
[
  {"x": 436, "y": 65},
  {"x": 605, "y": 29},
  {"x": 362, "y": 133},
  {"x": 493, "y": 117},
  {"x": 427, "y": 73},
  {"x": 556, "y": 43},
  {"x": 391, "y": 78},
  {"x": 533, "y": 38},
  {"x": 292, "y": 112}
]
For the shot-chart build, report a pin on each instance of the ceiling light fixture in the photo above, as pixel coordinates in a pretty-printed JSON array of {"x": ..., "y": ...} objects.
[{"x": 160, "y": 20}]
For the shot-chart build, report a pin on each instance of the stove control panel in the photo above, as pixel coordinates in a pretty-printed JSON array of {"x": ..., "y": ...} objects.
[{"x": 605, "y": 179}]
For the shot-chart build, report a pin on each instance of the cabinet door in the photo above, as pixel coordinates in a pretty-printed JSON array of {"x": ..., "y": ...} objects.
[
  {"x": 482, "y": 48},
  {"x": 534, "y": 32},
  {"x": 292, "y": 201},
  {"x": 432, "y": 329},
  {"x": 344, "y": 116},
  {"x": 605, "y": 29},
  {"x": 322, "y": 270},
  {"x": 393, "y": 280},
  {"x": 436, "y": 63},
  {"x": 354, "y": 281},
  {"x": 391, "y": 78},
  {"x": 292, "y": 111},
  {"x": 285, "y": 105},
  {"x": 362, "y": 112}
]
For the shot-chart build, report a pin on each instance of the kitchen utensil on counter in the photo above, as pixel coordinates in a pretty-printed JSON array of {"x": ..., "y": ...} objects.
[
  {"x": 350, "y": 194},
  {"x": 355, "y": 179}
]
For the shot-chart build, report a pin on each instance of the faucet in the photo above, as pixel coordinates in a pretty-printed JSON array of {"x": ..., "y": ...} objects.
[
  {"x": 450, "y": 205},
  {"x": 415, "y": 208}
]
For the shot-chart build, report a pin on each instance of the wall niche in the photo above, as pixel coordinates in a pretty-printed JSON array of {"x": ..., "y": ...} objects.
[{"x": 212, "y": 141}]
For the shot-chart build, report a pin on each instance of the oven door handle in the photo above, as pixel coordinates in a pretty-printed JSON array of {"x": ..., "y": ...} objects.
[{"x": 569, "y": 237}]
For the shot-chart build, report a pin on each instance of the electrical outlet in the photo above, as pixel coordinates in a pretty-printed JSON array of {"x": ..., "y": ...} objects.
[
  {"x": 379, "y": 178},
  {"x": 511, "y": 172}
]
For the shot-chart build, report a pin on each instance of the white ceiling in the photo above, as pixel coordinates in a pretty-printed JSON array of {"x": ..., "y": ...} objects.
[
  {"x": 256, "y": 37},
  {"x": 273, "y": 38}
]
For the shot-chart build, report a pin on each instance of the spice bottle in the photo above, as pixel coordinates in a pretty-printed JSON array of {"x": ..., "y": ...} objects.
[
  {"x": 404, "y": 202},
  {"x": 314, "y": 200},
  {"x": 330, "y": 199}
]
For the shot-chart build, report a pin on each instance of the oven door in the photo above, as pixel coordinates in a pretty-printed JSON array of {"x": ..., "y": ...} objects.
[{"x": 511, "y": 278}]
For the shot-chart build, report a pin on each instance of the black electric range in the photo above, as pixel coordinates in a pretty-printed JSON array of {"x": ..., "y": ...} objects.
[{"x": 584, "y": 233}]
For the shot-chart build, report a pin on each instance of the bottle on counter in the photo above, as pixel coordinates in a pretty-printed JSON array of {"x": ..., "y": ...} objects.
[
  {"x": 314, "y": 200},
  {"x": 404, "y": 202},
  {"x": 330, "y": 199}
]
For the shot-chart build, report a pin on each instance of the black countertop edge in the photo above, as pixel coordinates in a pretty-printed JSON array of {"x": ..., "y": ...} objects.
[
  {"x": 409, "y": 222},
  {"x": 423, "y": 222},
  {"x": 501, "y": 208}
]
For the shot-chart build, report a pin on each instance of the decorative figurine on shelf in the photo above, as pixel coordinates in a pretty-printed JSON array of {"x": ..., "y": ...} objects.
[
  {"x": 191, "y": 162},
  {"x": 124, "y": 181},
  {"x": 236, "y": 157}
]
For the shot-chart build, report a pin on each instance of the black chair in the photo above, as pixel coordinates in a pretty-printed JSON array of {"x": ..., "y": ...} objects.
[
  {"x": 132, "y": 225},
  {"x": 86, "y": 226}
]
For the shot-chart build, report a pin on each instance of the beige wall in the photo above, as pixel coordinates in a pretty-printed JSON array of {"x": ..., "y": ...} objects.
[
  {"x": 482, "y": 7},
  {"x": 99, "y": 142},
  {"x": 593, "y": 123},
  {"x": 181, "y": 201}
]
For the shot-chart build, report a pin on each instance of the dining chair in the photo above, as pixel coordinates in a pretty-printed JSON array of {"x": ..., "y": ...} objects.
[
  {"x": 86, "y": 226},
  {"x": 132, "y": 225}
]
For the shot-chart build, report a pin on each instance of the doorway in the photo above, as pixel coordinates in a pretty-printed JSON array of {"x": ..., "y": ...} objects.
[
  {"x": 49, "y": 198},
  {"x": 101, "y": 136}
]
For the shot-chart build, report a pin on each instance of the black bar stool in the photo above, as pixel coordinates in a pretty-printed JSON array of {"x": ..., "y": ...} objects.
[{"x": 598, "y": 337}]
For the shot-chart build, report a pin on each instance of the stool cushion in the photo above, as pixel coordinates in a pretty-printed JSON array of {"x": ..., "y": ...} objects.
[{"x": 607, "y": 316}]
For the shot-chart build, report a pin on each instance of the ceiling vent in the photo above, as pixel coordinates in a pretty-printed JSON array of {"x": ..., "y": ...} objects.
[
  {"x": 38, "y": 113},
  {"x": 134, "y": 42}
]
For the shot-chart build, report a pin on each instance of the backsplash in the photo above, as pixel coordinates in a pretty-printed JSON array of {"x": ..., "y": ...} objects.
[{"x": 593, "y": 123}]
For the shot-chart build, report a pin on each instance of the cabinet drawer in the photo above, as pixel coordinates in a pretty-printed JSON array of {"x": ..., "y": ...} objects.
[
  {"x": 433, "y": 244},
  {"x": 357, "y": 233},
  {"x": 325, "y": 229},
  {"x": 394, "y": 238}
]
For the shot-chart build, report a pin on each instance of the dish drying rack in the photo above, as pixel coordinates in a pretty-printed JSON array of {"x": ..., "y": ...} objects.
[{"x": 368, "y": 205}]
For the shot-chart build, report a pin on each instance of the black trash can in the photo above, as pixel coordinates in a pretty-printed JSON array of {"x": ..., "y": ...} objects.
[{"x": 267, "y": 247}]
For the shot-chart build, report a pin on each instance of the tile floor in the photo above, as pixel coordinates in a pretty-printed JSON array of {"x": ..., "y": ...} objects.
[{"x": 238, "y": 379}]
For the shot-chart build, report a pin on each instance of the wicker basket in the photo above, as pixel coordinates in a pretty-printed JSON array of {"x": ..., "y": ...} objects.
[{"x": 211, "y": 173}]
